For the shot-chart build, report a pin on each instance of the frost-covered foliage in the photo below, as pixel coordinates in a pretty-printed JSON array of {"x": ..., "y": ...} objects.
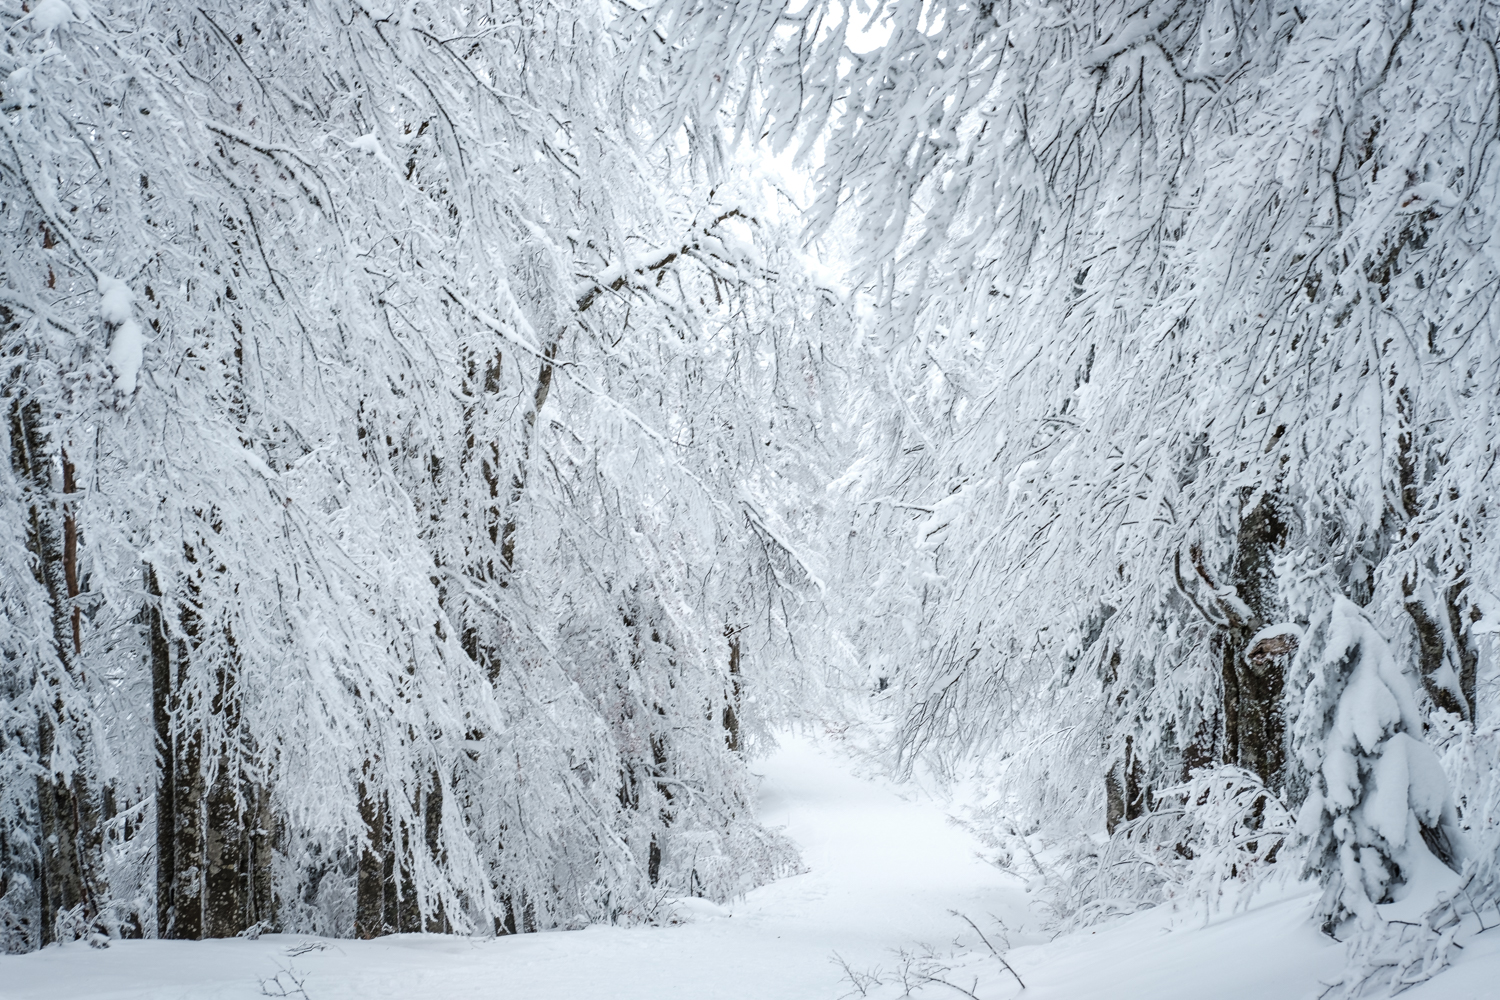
[
  {"x": 1209, "y": 844},
  {"x": 423, "y": 418},
  {"x": 409, "y": 474},
  {"x": 1178, "y": 312}
]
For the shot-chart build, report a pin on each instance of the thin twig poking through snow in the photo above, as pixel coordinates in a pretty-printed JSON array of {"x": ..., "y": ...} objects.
[
  {"x": 286, "y": 983},
  {"x": 993, "y": 951},
  {"x": 917, "y": 969},
  {"x": 862, "y": 982}
]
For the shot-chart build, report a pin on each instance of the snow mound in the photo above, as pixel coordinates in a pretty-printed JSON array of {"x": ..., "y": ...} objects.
[
  {"x": 51, "y": 14},
  {"x": 127, "y": 341},
  {"x": 692, "y": 909}
]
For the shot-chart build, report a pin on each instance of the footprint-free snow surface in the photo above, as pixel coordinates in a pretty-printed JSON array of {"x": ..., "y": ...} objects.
[{"x": 884, "y": 871}]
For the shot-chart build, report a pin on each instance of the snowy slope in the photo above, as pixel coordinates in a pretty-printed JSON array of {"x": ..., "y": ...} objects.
[{"x": 883, "y": 873}]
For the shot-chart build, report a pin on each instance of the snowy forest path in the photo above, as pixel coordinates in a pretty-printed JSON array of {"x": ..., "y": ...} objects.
[{"x": 882, "y": 872}]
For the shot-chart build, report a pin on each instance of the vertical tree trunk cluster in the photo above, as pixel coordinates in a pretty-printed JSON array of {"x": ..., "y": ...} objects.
[
  {"x": 215, "y": 825},
  {"x": 386, "y": 895},
  {"x": 69, "y": 840},
  {"x": 1255, "y": 672}
]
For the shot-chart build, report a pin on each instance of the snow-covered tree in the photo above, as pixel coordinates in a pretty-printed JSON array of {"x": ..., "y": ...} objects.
[
  {"x": 367, "y": 383},
  {"x": 1378, "y": 814},
  {"x": 1168, "y": 303}
]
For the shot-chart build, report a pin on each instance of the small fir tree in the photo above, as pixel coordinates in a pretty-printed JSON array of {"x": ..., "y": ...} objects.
[{"x": 1377, "y": 814}]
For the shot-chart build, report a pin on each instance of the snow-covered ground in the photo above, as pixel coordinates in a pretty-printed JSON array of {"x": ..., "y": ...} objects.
[{"x": 885, "y": 868}]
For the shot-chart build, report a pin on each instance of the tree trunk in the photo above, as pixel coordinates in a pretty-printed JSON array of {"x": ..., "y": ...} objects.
[
  {"x": 213, "y": 841},
  {"x": 190, "y": 791},
  {"x": 70, "y": 848},
  {"x": 1230, "y": 678},
  {"x": 229, "y": 857},
  {"x": 518, "y": 480},
  {"x": 1261, "y": 672},
  {"x": 188, "y": 810},
  {"x": 731, "y": 707},
  {"x": 261, "y": 839},
  {"x": 224, "y": 905},
  {"x": 437, "y": 921},
  {"x": 70, "y": 554},
  {"x": 1126, "y": 796},
  {"x": 664, "y": 813},
  {"x": 1442, "y": 645},
  {"x": 369, "y": 905},
  {"x": 1468, "y": 655},
  {"x": 1440, "y": 679},
  {"x": 653, "y": 861},
  {"x": 1253, "y": 677},
  {"x": 166, "y": 756}
]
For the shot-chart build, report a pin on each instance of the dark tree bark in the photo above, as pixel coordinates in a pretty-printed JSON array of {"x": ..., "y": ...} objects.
[
  {"x": 1468, "y": 655},
  {"x": 664, "y": 814},
  {"x": 731, "y": 707},
  {"x": 1253, "y": 672},
  {"x": 189, "y": 785},
  {"x": 507, "y": 924},
  {"x": 261, "y": 838},
  {"x": 70, "y": 845},
  {"x": 1444, "y": 686},
  {"x": 1230, "y": 679},
  {"x": 224, "y": 902},
  {"x": 437, "y": 921},
  {"x": 390, "y": 911},
  {"x": 213, "y": 840},
  {"x": 70, "y": 553},
  {"x": 69, "y": 835},
  {"x": 369, "y": 905},
  {"x": 1126, "y": 796},
  {"x": 653, "y": 861},
  {"x": 166, "y": 755},
  {"x": 1260, "y": 672},
  {"x": 237, "y": 850},
  {"x": 189, "y": 807},
  {"x": 1442, "y": 641}
]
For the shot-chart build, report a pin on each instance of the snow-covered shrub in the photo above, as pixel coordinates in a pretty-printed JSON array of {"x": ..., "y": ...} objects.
[
  {"x": 1231, "y": 833},
  {"x": 1213, "y": 840},
  {"x": 1403, "y": 952},
  {"x": 1377, "y": 816},
  {"x": 1469, "y": 755},
  {"x": 719, "y": 866}
]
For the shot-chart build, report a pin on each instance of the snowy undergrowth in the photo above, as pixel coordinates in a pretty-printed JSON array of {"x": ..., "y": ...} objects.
[
  {"x": 1211, "y": 850},
  {"x": 1215, "y": 848}
]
